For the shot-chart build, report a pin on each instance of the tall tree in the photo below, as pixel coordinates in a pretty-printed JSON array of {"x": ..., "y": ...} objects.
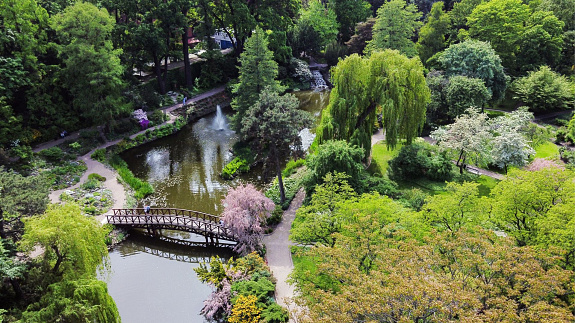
[
  {"x": 363, "y": 34},
  {"x": 432, "y": 35},
  {"x": 478, "y": 60},
  {"x": 322, "y": 19},
  {"x": 274, "y": 123},
  {"x": 467, "y": 138},
  {"x": 501, "y": 23},
  {"x": 394, "y": 27},
  {"x": 258, "y": 70},
  {"x": 82, "y": 300},
  {"x": 541, "y": 43},
  {"x": 19, "y": 196},
  {"x": 524, "y": 199},
  {"x": 386, "y": 80},
  {"x": 463, "y": 93},
  {"x": 92, "y": 72},
  {"x": 245, "y": 212},
  {"x": 349, "y": 13}
]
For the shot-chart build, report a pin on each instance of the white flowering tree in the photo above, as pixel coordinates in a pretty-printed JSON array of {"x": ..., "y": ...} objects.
[{"x": 467, "y": 138}]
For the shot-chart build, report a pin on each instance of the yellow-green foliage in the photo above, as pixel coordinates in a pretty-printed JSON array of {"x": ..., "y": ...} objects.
[{"x": 245, "y": 310}]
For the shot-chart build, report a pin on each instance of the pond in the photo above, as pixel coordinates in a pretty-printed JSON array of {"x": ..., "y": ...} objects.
[{"x": 154, "y": 281}]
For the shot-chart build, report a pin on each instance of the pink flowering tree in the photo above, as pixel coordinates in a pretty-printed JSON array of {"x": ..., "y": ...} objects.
[
  {"x": 219, "y": 304},
  {"x": 245, "y": 211}
]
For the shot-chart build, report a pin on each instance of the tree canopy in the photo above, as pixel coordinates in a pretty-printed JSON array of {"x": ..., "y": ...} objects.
[
  {"x": 258, "y": 70},
  {"x": 73, "y": 244},
  {"x": 478, "y": 60},
  {"x": 395, "y": 25},
  {"x": 274, "y": 123},
  {"x": 386, "y": 80}
]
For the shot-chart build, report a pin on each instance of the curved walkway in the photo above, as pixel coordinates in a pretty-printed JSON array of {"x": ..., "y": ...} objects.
[
  {"x": 93, "y": 166},
  {"x": 279, "y": 254}
]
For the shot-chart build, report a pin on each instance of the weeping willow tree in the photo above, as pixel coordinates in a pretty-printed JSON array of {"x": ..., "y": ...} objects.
[{"x": 386, "y": 81}]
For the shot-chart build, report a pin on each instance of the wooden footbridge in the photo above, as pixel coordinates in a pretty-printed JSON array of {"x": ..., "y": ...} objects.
[{"x": 157, "y": 219}]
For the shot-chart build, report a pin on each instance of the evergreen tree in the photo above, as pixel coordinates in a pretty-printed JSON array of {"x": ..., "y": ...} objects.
[
  {"x": 394, "y": 27},
  {"x": 258, "y": 70},
  {"x": 275, "y": 122}
]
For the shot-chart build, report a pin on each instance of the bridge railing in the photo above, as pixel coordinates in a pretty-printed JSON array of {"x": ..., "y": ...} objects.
[{"x": 169, "y": 211}]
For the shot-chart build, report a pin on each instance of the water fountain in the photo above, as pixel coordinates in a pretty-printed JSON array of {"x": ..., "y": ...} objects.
[{"x": 220, "y": 120}]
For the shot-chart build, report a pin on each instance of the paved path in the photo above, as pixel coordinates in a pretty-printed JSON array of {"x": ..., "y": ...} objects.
[
  {"x": 278, "y": 252},
  {"x": 76, "y": 134},
  {"x": 111, "y": 183}
]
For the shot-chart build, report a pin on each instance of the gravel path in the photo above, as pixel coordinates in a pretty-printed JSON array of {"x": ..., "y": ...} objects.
[{"x": 278, "y": 252}]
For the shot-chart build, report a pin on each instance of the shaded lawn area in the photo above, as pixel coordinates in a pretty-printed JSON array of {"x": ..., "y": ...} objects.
[
  {"x": 548, "y": 149},
  {"x": 381, "y": 156}
]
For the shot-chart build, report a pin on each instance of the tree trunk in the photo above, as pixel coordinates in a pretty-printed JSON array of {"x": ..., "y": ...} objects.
[
  {"x": 59, "y": 259},
  {"x": 364, "y": 115},
  {"x": 187, "y": 68},
  {"x": 17, "y": 288},
  {"x": 2, "y": 232},
  {"x": 279, "y": 173},
  {"x": 158, "y": 72}
]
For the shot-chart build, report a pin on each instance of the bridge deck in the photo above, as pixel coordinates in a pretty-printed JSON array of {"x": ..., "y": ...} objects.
[{"x": 173, "y": 219}]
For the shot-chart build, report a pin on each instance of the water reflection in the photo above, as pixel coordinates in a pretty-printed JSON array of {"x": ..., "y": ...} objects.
[
  {"x": 154, "y": 281},
  {"x": 184, "y": 168}
]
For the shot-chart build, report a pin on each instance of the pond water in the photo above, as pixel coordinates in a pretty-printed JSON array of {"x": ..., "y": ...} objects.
[{"x": 152, "y": 280}]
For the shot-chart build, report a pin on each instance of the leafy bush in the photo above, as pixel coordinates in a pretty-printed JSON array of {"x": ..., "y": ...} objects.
[
  {"x": 99, "y": 155},
  {"x": 417, "y": 160},
  {"x": 276, "y": 216},
  {"x": 97, "y": 177},
  {"x": 413, "y": 198},
  {"x": 381, "y": 185},
  {"x": 91, "y": 184},
  {"x": 275, "y": 314},
  {"x": 333, "y": 52},
  {"x": 299, "y": 70},
  {"x": 236, "y": 166},
  {"x": 89, "y": 134},
  {"x": 141, "y": 188},
  {"x": 545, "y": 90},
  {"x": 157, "y": 117},
  {"x": 54, "y": 155},
  {"x": 292, "y": 167}
]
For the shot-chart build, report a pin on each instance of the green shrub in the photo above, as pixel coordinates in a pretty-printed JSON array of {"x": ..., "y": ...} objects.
[
  {"x": 292, "y": 166},
  {"x": 54, "y": 155},
  {"x": 91, "y": 210},
  {"x": 91, "y": 184},
  {"x": 333, "y": 52},
  {"x": 417, "y": 160},
  {"x": 89, "y": 134},
  {"x": 276, "y": 216},
  {"x": 97, "y": 177},
  {"x": 157, "y": 117},
  {"x": 378, "y": 184},
  {"x": 141, "y": 188},
  {"x": 99, "y": 155},
  {"x": 236, "y": 166},
  {"x": 275, "y": 314},
  {"x": 413, "y": 198}
]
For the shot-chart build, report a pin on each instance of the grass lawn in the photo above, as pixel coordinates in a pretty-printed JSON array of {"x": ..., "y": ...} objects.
[
  {"x": 380, "y": 157},
  {"x": 547, "y": 149}
]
